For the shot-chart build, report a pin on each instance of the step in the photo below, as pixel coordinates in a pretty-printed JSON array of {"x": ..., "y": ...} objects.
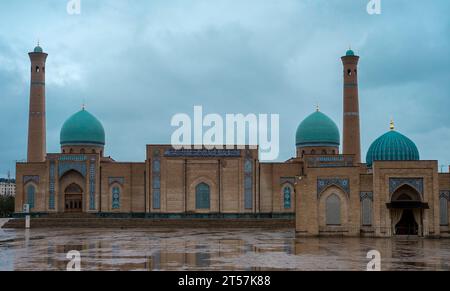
[{"x": 149, "y": 223}]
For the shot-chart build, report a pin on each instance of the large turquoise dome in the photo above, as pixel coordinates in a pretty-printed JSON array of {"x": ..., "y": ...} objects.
[
  {"x": 82, "y": 128},
  {"x": 318, "y": 130},
  {"x": 392, "y": 146}
]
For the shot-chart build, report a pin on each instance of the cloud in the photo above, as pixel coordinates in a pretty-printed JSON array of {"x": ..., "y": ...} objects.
[{"x": 136, "y": 63}]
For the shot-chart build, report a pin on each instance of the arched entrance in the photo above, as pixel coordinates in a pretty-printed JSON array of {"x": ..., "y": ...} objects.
[
  {"x": 73, "y": 199},
  {"x": 407, "y": 224},
  {"x": 406, "y": 210}
]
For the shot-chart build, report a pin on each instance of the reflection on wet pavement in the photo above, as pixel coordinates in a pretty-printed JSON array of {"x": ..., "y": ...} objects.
[{"x": 196, "y": 249}]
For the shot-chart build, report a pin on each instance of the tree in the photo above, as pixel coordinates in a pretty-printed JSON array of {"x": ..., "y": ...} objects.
[{"x": 6, "y": 205}]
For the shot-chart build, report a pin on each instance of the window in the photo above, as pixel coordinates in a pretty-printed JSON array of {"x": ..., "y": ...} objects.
[
  {"x": 115, "y": 198},
  {"x": 366, "y": 205},
  {"x": 37, "y": 69},
  {"x": 443, "y": 203},
  {"x": 313, "y": 152},
  {"x": 31, "y": 191},
  {"x": 248, "y": 184},
  {"x": 156, "y": 183},
  {"x": 202, "y": 196},
  {"x": 287, "y": 194},
  {"x": 156, "y": 166},
  {"x": 333, "y": 210},
  {"x": 248, "y": 166}
]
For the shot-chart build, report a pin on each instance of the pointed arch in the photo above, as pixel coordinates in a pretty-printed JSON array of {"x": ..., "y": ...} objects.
[
  {"x": 203, "y": 196},
  {"x": 333, "y": 208},
  {"x": 72, "y": 187},
  {"x": 406, "y": 193}
]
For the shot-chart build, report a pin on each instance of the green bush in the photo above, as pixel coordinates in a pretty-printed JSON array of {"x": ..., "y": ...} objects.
[{"x": 6, "y": 206}]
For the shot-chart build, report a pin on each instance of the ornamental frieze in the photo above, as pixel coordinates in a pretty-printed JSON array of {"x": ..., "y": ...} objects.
[
  {"x": 73, "y": 158},
  {"x": 444, "y": 194},
  {"x": 27, "y": 179},
  {"x": 202, "y": 153},
  {"x": 366, "y": 195},
  {"x": 416, "y": 183},
  {"x": 65, "y": 167},
  {"x": 323, "y": 184},
  {"x": 92, "y": 183},
  {"x": 118, "y": 180},
  {"x": 51, "y": 199},
  {"x": 288, "y": 180},
  {"x": 337, "y": 161}
]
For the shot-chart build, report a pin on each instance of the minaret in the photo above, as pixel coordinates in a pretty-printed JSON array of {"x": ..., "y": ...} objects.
[
  {"x": 352, "y": 139},
  {"x": 36, "y": 125}
]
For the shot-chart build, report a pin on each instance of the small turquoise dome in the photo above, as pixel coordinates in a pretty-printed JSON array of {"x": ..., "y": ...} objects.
[
  {"x": 318, "y": 130},
  {"x": 392, "y": 146},
  {"x": 350, "y": 53},
  {"x": 82, "y": 128},
  {"x": 38, "y": 49}
]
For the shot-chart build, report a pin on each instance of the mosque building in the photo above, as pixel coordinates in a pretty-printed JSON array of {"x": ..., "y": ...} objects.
[{"x": 326, "y": 191}]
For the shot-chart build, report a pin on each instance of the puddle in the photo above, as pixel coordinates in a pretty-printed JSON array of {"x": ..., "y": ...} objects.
[{"x": 200, "y": 249}]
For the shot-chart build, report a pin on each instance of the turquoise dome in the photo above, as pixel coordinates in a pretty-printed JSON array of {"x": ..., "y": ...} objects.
[
  {"x": 82, "y": 128},
  {"x": 318, "y": 130},
  {"x": 392, "y": 146},
  {"x": 38, "y": 49},
  {"x": 350, "y": 53}
]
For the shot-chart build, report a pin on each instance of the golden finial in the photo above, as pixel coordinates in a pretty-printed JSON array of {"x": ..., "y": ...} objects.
[
  {"x": 392, "y": 126},
  {"x": 317, "y": 107}
]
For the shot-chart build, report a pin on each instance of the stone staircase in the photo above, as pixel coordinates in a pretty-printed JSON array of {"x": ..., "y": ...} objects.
[
  {"x": 91, "y": 221},
  {"x": 70, "y": 215}
]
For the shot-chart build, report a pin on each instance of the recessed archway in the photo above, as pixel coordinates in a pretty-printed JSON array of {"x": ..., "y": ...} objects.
[
  {"x": 406, "y": 193},
  {"x": 406, "y": 210},
  {"x": 73, "y": 195},
  {"x": 72, "y": 187}
]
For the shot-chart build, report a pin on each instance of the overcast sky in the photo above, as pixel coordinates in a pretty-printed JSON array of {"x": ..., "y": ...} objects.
[{"x": 136, "y": 63}]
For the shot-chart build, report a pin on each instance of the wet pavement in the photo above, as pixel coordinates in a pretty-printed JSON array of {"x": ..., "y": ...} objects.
[
  {"x": 3, "y": 221},
  {"x": 197, "y": 249}
]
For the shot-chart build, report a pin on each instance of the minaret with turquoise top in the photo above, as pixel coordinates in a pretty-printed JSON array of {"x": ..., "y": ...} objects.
[
  {"x": 352, "y": 137},
  {"x": 36, "y": 126}
]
